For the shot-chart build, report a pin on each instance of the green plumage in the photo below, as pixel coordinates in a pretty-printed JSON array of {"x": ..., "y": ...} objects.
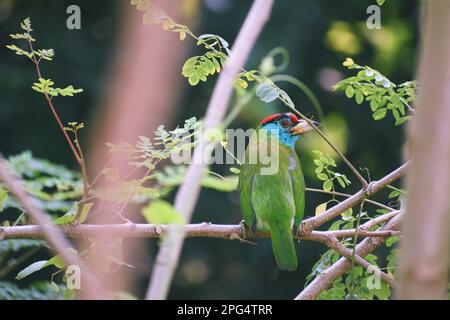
[{"x": 274, "y": 202}]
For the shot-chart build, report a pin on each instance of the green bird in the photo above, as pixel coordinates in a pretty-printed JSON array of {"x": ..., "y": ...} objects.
[{"x": 275, "y": 201}]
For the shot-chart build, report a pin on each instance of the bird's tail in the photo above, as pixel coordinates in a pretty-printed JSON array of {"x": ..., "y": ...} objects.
[{"x": 283, "y": 248}]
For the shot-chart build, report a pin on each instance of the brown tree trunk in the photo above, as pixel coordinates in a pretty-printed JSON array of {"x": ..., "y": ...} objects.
[{"x": 424, "y": 257}]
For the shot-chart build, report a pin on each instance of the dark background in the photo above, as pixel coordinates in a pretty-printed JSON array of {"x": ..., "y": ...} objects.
[{"x": 319, "y": 35}]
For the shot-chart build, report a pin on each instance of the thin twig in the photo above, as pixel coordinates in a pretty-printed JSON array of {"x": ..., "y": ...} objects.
[
  {"x": 363, "y": 181},
  {"x": 53, "y": 109},
  {"x": 335, "y": 193},
  {"x": 314, "y": 222}
]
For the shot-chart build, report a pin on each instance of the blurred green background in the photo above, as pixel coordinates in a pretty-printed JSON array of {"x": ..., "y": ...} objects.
[{"x": 318, "y": 34}]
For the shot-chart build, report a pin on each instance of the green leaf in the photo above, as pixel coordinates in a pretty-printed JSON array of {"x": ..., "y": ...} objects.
[
  {"x": 219, "y": 184},
  {"x": 391, "y": 240},
  {"x": 235, "y": 170},
  {"x": 242, "y": 83},
  {"x": 347, "y": 214},
  {"x": 68, "y": 294},
  {"x": 322, "y": 176},
  {"x": 3, "y": 198},
  {"x": 200, "y": 67},
  {"x": 384, "y": 292},
  {"x": 402, "y": 120},
  {"x": 379, "y": 114},
  {"x": 374, "y": 105},
  {"x": 55, "y": 261},
  {"x": 318, "y": 153},
  {"x": 19, "y": 51},
  {"x": 68, "y": 217},
  {"x": 85, "y": 211},
  {"x": 162, "y": 212},
  {"x": 32, "y": 268},
  {"x": 394, "y": 194},
  {"x": 328, "y": 185},
  {"x": 193, "y": 80},
  {"x": 380, "y": 2},
  {"x": 359, "y": 98},
  {"x": 349, "y": 92},
  {"x": 267, "y": 92},
  {"x": 318, "y": 163},
  {"x": 321, "y": 208},
  {"x": 341, "y": 181},
  {"x": 26, "y": 24}
]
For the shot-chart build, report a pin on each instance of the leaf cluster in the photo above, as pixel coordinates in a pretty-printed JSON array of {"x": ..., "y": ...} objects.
[{"x": 382, "y": 94}]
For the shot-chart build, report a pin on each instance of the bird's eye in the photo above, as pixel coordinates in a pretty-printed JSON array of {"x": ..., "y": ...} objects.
[{"x": 285, "y": 123}]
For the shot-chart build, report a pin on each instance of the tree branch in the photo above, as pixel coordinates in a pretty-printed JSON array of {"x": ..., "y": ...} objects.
[
  {"x": 314, "y": 222},
  {"x": 201, "y": 230}
]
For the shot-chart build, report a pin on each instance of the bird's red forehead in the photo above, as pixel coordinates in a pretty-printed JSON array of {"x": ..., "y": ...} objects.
[{"x": 275, "y": 116}]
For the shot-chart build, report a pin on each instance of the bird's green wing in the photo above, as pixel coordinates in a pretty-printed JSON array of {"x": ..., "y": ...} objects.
[
  {"x": 245, "y": 186},
  {"x": 298, "y": 186}
]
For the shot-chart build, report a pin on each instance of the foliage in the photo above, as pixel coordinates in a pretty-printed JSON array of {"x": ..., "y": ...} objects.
[
  {"x": 356, "y": 284},
  {"x": 17, "y": 245},
  {"x": 161, "y": 212},
  {"x": 37, "y": 291},
  {"x": 43, "y": 85},
  {"x": 173, "y": 176},
  {"x": 382, "y": 94},
  {"x": 46, "y": 86},
  {"x": 328, "y": 176},
  {"x": 64, "y": 194},
  {"x": 54, "y": 187}
]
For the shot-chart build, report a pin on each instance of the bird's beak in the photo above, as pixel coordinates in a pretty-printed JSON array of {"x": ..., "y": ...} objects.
[{"x": 302, "y": 126}]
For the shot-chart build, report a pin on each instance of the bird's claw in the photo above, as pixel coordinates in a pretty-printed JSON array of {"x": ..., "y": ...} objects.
[{"x": 244, "y": 229}]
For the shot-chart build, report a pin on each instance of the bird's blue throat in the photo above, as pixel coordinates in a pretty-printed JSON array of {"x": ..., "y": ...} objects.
[{"x": 284, "y": 135}]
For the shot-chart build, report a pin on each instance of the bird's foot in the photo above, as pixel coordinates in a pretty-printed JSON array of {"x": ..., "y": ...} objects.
[
  {"x": 245, "y": 232},
  {"x": 297, "y": 231},
  {"x": 244, "y": 229}
]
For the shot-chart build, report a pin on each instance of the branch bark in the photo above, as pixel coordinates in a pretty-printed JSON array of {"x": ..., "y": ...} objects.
[
  {"x": 203, "y": 230},
  {"x": 312, "y": 223},
  {"x": 186, "y": 198},
  {"x": 424, "y": 257}
]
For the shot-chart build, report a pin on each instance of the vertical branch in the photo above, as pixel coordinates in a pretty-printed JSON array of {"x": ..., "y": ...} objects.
[
  {"x": 53, "y": 109},
  {"x": 169, "y": 253},
  {"x": 424, "y": 257}
]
